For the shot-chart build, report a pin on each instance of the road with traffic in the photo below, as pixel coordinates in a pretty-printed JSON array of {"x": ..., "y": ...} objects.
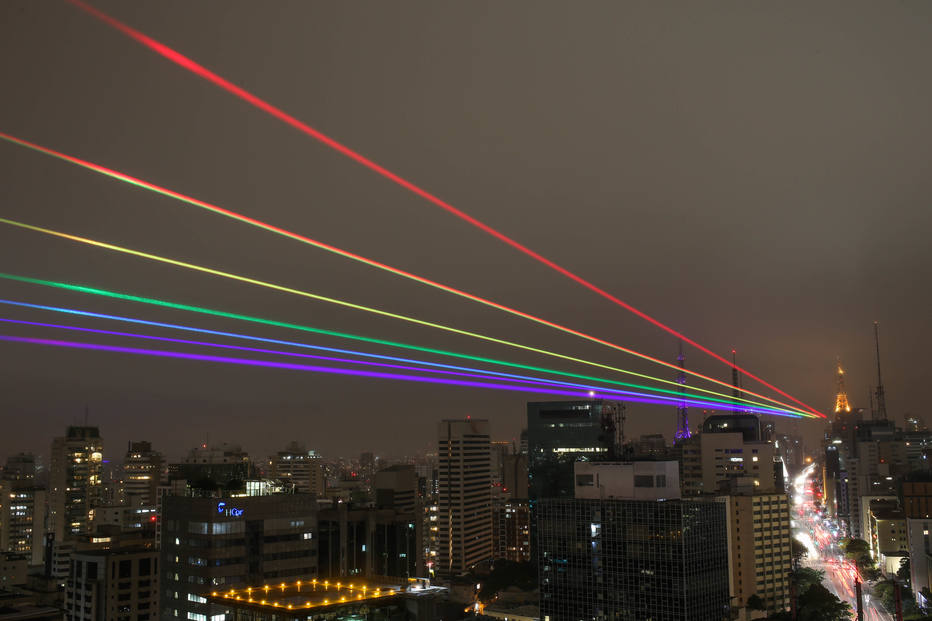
[{"x": 822, "y": 536}]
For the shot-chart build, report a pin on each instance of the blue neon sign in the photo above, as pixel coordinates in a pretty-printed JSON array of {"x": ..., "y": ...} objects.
[{"x": 223, "y": 509}]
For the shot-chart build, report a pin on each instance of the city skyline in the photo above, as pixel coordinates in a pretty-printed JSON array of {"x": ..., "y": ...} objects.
[{"x": 465, "y": 311}]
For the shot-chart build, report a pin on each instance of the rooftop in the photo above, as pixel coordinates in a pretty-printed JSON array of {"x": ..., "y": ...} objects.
[{"x": 301, "y": 595}]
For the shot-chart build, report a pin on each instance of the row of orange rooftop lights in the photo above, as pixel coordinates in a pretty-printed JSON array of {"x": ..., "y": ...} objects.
[{"x": 362, "y": 592}]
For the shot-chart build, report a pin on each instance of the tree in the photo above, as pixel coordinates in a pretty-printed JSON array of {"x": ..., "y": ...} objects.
[
  {"x": 868, "y": 570},
  {"x": 884, "y": 592},
  {"x": 756, "y": 603},
  {"x": 859, "y": 551},
  {"x": 818, "y": 604},
  {"x": 798, "y": 551},
  {"x": 903, "y": 572},
  {"x": 855, "y": 548},
  {"x": 805, "y": 577}
]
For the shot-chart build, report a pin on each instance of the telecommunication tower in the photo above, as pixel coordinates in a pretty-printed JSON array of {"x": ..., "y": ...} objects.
[
  {"x": 881, "y": 400},
  {"x": 735, "y": 392},
  {"x": 682, "y": 414},
  {"x": 841, "y": 394}
]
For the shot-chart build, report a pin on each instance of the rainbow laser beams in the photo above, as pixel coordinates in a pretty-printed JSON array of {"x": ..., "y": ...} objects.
[
  {"x": 344, "y": 253},
  {"x": 440, "y": 368},
  {"x": 501, "y": 378},
  {"x": 199, "y": 70},
  {"x": 360, "y": 307},
  {"x": 331, "y": 370},
  {"x": 321, "y": 331}
]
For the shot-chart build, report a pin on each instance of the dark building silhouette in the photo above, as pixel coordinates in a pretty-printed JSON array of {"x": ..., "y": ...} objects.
[
  {"x": 563, "y": 432},
  {"x": 366, "y": 541},
  {"x": 632, "y": 560}
]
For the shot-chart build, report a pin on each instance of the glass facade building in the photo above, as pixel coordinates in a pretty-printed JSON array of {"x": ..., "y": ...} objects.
[
  {"x": 562, "y": 432},
  {"x": 632, "y": 560}
]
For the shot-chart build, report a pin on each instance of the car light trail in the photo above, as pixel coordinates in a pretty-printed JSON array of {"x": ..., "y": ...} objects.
[
  {"x": 806, "y": 540},
  {"x": 316, "y": 369},
  {"x": 344, "y": 303},
  {"x": 313, "y": 330},
  {"x": 487, "y": 375},
  {"x": 197, "y": 69},
  {"x": 343, "y": 253}
]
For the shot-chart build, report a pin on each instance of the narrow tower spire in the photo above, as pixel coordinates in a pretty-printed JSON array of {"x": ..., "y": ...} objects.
[
  {"x": 734, "y": 375},
  {"x": 841, "y": 394},
  {"x": 736, "y": 381},
  {"x": 682, "y": 415},
  {"x": 881, "y": 400}
]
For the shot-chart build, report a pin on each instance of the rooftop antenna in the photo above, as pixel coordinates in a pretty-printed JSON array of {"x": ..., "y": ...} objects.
[
  {"x": 682, "y": 413},
  {"x": 735, "y": 377},
  {"x": 870, "y": 395},
  {"x": 881, "y": 401}
]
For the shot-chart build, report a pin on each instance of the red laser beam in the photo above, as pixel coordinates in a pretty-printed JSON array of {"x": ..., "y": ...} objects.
[{"x": 186, "y": 63}]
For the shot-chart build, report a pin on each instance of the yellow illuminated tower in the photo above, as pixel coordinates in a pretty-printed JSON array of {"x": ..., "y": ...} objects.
[{"x": 841, "y": 396}]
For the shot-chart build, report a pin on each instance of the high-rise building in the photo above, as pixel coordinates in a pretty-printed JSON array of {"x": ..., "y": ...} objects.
[
  {"x": 22, "y": 468},
  {"x": 23, "y": 509},
  {"x": 221, "y": 543},
  {"x": 915, "y": 424},
  {"x": 464, "y": 515},
  {"x": 500, "y": 451},
  {"x": 511, "y": 512},
  {"x": 74, "y": 480},
  {"x": 887, "y": 536},
  {"x": 120, "y": 584},
  {"x": 511, "y": 528},
  {"x": 396, "y": 487},
  {"x": 868, "y": 468},
  {"x": 142, "y": 473},
  {"x": 917, "y": 497},
  {"x": 920, "y": 559},
  {"x": 759, "y": 548},
  {"x": 631, "y": 480},
  {"x": 300, "y": 467},
  {"x": 729, "y": 447},
  {"x": 23, "y": 518},
  {"x": 367, "y": 465},
  {"x": 791, "y": 450},
  {"x": 651, "y": 445},
  {"x": 515, "y": 484},
  {"x": 563, "y": 432},
  {"x": 632, "y": 559},
  {"x": 918, "y": 447},
  {"x": 216, "y": 466},
  {"x": 355, "y": 541}
]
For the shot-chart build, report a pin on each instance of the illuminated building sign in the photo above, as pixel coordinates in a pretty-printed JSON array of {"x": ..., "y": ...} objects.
[{"x": 223, "y": 509}]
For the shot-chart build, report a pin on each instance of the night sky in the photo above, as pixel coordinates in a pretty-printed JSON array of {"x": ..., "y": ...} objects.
[{"x": 755, "y": 175}]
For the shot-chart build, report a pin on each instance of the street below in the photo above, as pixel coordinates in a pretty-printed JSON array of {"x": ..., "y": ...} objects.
[{"x": 822, "y": 538}]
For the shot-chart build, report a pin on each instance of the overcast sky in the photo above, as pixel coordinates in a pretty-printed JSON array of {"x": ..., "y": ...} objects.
[{"x": 756, "y": 175}]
